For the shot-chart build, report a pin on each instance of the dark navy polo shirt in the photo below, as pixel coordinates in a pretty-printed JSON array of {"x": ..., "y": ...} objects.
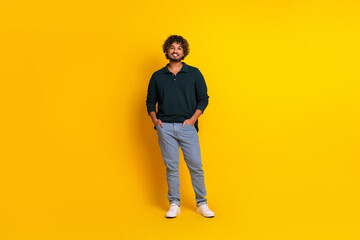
[{"x": 177, "y": 96}]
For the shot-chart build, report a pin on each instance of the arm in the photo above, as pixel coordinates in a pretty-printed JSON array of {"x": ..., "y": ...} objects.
[
  {"x": 151, "y": 101},
  {"x": 202, "y": 99},
  {"x": 151, "y": 98}
]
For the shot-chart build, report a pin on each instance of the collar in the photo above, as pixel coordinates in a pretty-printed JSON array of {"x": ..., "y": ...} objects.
[{"x": 183, "y": 69}]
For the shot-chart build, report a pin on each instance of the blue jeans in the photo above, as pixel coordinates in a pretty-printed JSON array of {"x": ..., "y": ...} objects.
[{"x": 170, "y": 137}]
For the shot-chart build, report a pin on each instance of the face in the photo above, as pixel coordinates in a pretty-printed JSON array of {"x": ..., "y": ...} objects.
[{"x": 175, "y": 52}]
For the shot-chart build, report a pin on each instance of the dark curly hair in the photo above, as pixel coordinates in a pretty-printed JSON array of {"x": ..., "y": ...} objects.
[{"x": 178, "y": 39}]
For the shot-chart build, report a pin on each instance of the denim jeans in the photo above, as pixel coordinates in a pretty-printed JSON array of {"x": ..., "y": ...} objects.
[{"x": 170, "y": 137}]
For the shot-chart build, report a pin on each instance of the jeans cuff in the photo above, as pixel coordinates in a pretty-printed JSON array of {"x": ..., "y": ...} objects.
[
  {"x": 175, "y": 202},
  {"x": 201, "y": 203}
]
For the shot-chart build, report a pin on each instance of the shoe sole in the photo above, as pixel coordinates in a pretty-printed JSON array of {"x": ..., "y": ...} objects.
[
  {"x": 205, "y": 216},
  {"x": 174, "y": 216}
]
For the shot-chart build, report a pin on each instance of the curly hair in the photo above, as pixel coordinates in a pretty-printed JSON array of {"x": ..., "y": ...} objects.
[{"x": 178, "y": 39}]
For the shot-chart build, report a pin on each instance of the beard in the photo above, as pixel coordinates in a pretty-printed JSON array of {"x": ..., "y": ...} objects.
[{"x": 174, "y": 59}]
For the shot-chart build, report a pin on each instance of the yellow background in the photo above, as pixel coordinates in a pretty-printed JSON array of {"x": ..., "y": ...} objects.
[{"x": 279, "y": 138}]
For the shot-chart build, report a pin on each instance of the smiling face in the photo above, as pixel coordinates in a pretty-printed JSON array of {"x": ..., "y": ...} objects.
[{"x": 175, "y": 52}]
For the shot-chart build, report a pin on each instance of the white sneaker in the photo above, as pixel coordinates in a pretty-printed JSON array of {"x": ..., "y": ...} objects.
[
  {"x": 205, "y": 211},
  {"x": 173, "y": 211}
]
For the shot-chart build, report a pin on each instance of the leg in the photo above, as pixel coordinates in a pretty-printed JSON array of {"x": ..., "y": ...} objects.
[
  {"x": 169, "y": 146},
  {"x": 189, "y": 142}
]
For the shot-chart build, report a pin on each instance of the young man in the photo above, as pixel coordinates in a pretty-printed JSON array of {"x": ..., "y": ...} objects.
[{"x": 181, "y": 93}]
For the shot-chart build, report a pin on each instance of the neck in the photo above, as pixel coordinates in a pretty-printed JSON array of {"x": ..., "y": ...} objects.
[{"x": 175, "y": 65}]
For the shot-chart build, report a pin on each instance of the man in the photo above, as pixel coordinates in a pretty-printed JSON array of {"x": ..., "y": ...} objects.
[{"x": 181, "y": 93}]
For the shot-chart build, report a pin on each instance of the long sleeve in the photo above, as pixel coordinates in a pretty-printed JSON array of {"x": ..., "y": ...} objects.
[
  {"x": 151, "y": 98},
  {"x": 202, "y": 97}
]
